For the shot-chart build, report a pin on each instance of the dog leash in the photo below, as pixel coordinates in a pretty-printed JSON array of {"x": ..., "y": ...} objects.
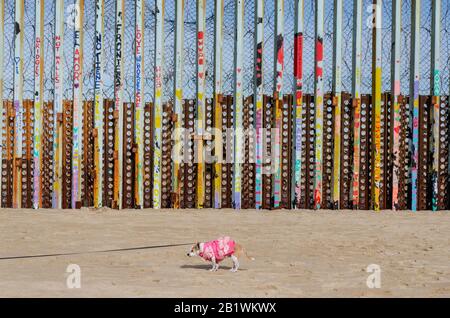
[{"x": 92, "y": 252}]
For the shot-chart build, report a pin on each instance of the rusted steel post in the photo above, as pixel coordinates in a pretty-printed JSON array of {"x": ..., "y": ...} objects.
[
  {"x": 356, "y": 101},
  {"x": 414, "y": 97},
  {"x": 435, "y": 88}
]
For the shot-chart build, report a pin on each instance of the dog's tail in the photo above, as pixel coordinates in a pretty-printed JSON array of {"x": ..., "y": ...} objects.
[
  {"x": 244, "y": 251},
  {"x": 249, "y": 257}
]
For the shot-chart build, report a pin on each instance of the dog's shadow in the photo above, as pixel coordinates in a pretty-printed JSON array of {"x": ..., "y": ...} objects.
[{"x": 208, "y": 267}]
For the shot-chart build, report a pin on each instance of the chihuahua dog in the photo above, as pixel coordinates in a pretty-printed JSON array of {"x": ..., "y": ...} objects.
[{"x": 217, "y": 250}]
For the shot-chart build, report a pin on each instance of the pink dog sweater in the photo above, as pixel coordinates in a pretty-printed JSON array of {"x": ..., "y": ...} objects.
[{"x": 220, "y": 248}]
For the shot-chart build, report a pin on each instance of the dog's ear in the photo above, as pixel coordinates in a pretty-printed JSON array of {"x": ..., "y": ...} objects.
[{"x": 197, "y": 245}]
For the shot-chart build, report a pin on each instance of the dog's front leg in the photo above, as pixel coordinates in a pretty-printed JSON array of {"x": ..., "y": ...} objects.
[{"x": 215, "y": 265}]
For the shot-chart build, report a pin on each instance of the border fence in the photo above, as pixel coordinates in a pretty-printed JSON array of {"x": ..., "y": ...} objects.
[{"x": 244, "y": 104}]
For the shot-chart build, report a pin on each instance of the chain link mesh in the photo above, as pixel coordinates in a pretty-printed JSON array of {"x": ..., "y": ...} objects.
[
  {"x": 328, "y": 45},
  {"x": 347, "y": 45},
  {"x": 308, "y": 51},
  {"x": 228, "y": 46},
  {"x": 425, "y": 48},
  {"x": 405, "y": 46},
  {"x": 88, "y": 59},
  {"x": 8, "y": 79},
  {"x": 190, "y": 46},
  {"x": 386, "y": 43}
]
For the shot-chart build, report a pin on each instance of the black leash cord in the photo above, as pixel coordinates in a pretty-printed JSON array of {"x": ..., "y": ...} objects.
[{"x": 92, "y": 252}]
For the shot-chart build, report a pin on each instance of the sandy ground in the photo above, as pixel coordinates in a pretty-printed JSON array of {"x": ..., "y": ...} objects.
[{"x": 298, "y": 254}]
